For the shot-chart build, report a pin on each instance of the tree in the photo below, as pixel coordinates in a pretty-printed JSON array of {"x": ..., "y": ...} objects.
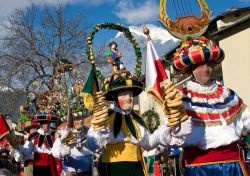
[{"x": 36, "y": 39}]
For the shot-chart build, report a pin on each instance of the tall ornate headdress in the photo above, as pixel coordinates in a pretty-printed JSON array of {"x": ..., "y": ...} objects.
[
  {"x": 189, "y": 29},
  {"x": 187, "y": 26}
]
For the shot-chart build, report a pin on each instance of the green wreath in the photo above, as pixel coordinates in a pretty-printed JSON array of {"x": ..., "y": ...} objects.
[
  {"x": 128, "y": 35},
  {"x": 151, "y": 119}
]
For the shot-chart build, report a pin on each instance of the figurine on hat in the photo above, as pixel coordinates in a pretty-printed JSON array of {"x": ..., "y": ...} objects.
[
  {"x": 120, "y": 133},
  {"x": 113, "y": 56}
]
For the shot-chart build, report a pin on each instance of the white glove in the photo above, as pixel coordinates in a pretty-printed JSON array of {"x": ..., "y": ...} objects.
[{"x": 65, "y": 150}]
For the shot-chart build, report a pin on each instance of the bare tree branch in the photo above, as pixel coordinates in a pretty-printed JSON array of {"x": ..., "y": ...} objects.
[{"x": 36, "y": 38}]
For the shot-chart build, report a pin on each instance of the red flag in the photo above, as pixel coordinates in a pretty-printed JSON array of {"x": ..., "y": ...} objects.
[
  {"x": 155, "y": 72},
  {"x": 4, "y": 128}
]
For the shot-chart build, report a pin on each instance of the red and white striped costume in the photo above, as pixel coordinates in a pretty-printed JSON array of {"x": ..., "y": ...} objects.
[{"x": 219, "y": 116}]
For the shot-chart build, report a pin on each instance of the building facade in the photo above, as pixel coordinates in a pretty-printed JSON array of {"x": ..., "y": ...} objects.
[{"x": 232, "y": 31}]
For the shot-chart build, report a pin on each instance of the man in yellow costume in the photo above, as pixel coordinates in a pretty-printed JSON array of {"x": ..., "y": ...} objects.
[{"x": 120, "y": 133}]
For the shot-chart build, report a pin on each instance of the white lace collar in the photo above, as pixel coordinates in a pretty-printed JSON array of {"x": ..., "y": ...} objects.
[
  {"x": 208, "y": 88},
  {"x": 42, "y": 132}
]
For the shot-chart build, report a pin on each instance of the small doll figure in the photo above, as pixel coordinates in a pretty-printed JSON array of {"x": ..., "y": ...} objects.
[{"x": 113, "y": 56}]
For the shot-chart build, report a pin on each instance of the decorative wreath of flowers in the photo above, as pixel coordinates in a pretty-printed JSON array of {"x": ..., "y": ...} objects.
[
  {"x": 116, "y": 77},
  {"x": 128, "y": 35},
  {"x": 198, "y": 44}
]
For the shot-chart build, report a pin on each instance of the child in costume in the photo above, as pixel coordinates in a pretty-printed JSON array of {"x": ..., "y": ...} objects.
[
  {"x": 218, "y": 114},
  {"x": 77, "y": 160},
  {"x": 120, "y": 133}
]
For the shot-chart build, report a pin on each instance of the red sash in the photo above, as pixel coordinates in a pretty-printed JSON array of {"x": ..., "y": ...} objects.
[
  {"x": 44, "y": 159},
  {"x": 41, "y": 159},
  {"x": 193, "y": 156}
]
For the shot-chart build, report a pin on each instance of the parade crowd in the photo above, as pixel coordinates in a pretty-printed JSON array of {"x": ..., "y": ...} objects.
[{"x": 205, "y": 130}]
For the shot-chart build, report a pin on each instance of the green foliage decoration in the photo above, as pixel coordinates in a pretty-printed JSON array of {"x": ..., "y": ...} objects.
[
  {"x": 152, "y": 120},
  {"x": 128, "y": 35}
]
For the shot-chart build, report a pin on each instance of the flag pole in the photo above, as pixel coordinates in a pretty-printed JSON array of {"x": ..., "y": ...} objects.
[
  {"x": 66, "y": 68},
  {"x": 91, "y": 85},
  {"x": 156, "y": 76}
]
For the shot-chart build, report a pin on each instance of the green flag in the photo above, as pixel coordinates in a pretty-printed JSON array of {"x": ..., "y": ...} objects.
[{"x": 89, "y": 89}]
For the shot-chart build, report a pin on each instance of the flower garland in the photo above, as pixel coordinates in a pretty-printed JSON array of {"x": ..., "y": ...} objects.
[
  {"x": 128, "y": 35},
  {"x": 116, "y": 77}
]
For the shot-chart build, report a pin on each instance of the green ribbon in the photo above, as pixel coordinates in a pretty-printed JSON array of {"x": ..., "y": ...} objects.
[
  {"x": 129, "y": 122},
  {"x": 130, "y": 125}
]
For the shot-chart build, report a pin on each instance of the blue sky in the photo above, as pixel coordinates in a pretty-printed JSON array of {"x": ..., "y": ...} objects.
[
  {"x": 127, "y": 12},
  {"x": 138, "y": 12}
]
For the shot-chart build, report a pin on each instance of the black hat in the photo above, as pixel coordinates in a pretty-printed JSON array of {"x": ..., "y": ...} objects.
[
  {"x": 121, "y": 81},
  {"x": 42, "y": 116},
  {"x": 112, "y": 42}
]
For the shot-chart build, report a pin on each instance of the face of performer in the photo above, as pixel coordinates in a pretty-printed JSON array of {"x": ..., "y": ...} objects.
[
  {"x": 46, "y": 126},
  {"x": 203, "y": 72},
  {"x": 126, "y": 100},
  {"x": 113, "y": 46}
]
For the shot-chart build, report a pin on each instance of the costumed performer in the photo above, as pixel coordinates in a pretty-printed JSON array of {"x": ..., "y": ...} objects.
[
  {"x": 218, "y": 114},
  {"x": 121, "y": 134}
]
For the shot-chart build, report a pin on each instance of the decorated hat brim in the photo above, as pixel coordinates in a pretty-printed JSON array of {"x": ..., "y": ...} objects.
[
  {"x": 30, "y": 124},
  {"x": 45, "y": 118},
  {"x": 110, "y": 95}
]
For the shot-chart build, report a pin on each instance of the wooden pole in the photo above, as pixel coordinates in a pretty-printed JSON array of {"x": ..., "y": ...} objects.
[{"x": 70, "y": 117}]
